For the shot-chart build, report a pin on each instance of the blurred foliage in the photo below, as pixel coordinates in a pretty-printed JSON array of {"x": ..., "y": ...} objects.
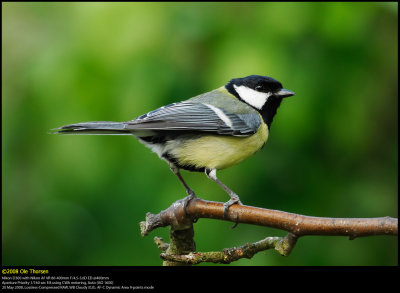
[{"x": 77, "y": 200}]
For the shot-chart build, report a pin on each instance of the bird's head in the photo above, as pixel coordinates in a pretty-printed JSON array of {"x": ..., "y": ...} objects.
[{"x": 260, "y": 92}]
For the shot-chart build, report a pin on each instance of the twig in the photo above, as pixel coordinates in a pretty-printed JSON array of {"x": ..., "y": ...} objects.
[
  {"x": 161, "y": 244},
  {"x": 281, "y": 244}
]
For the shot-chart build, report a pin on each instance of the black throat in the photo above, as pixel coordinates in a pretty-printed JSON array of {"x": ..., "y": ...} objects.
[{"x": 268, "y": 111}]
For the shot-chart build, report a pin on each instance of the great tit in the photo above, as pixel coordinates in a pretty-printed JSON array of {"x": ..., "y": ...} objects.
[{"x": 206, "y": 133}]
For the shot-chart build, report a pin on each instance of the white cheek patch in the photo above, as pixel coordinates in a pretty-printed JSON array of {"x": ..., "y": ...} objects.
[
  {"x": 252, "y": 97},
  {"x": 220, "y": 114}
]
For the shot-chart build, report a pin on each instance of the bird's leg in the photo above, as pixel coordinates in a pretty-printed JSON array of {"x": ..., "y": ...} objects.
[
  {"x": 190, "y": 193},
  {"x": 212, "y": 174}
]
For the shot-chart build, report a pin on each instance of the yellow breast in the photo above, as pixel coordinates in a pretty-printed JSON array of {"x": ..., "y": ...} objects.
[{"x": 219, "y": 152}]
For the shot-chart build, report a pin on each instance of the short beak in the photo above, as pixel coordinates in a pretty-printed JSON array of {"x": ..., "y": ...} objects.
[{"x": 284, "y": 93}]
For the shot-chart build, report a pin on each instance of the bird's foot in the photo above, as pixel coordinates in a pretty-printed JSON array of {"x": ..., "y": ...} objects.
[
  {"x": 191, "y": 195},
  {"x": 234, "y": 200}
]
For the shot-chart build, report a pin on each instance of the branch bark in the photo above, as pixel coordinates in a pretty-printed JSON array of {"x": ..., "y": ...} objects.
[{"x": 297, "y": 226}]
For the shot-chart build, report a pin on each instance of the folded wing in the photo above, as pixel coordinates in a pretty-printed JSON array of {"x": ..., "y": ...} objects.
[{"x": 194, "y": 117}]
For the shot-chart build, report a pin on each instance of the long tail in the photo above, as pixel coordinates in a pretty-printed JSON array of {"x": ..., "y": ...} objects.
[{"x": 95, "y": 127}]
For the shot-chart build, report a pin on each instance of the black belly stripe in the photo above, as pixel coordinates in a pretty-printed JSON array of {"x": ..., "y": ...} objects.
[
  {"x": 154, "y": 139},
  {"x": 174, "y": 161}
]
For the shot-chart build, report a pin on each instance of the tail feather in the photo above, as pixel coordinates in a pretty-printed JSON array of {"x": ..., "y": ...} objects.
[{"x": 95, "y": 127}]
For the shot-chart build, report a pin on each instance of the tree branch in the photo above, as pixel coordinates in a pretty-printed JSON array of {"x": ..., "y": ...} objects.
[{"x": 297, "y": 226}]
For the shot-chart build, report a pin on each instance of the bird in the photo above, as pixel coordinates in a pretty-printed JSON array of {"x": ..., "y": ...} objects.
[{"x": 206, "y": 133}]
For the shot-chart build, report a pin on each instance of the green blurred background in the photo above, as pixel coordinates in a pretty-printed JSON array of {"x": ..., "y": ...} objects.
[{"x": 77, "y": 200}]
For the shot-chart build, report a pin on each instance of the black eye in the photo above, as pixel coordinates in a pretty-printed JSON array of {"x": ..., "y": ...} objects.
[{"x": 258, "y": 88}]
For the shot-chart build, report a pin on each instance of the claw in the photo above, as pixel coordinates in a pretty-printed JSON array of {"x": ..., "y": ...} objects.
[{"x": 233, "y": 200}]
